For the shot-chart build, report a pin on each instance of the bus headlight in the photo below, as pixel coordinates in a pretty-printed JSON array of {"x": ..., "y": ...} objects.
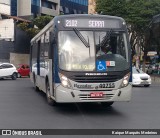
[
  {"x": 125, "y": 80},
  {"x": 64, "y": 81}
]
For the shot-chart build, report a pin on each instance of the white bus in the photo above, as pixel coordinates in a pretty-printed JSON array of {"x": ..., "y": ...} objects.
[{"x": 82, "y": 58}]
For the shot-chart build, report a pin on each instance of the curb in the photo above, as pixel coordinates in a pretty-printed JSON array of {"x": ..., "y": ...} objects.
[{"x": 155, "y": 78}]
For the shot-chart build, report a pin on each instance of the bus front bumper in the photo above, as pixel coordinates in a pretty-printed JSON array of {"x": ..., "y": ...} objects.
[{"x": 64, "y": 95}]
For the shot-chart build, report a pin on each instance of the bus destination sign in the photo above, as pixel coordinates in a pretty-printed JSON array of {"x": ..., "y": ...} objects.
[{"x": 91, "y": 23}]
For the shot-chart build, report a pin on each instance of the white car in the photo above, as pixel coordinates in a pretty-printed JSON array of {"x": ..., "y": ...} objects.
[
  {"x": 139, "y": 78},
  {"x": 8, "y": 70}
]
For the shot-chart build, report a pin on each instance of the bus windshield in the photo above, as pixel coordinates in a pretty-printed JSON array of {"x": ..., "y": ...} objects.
[{"x": 80, "y": 50}]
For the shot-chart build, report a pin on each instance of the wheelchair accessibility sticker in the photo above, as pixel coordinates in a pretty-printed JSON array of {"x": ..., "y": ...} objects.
[{"x": 101, "y": 65}]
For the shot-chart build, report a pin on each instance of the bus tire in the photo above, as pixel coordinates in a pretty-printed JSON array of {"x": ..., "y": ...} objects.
[
  {"x": 146, "y": 85},
  {"x": 106, "y": 104},
  {"x": 34, "y": 81},
  {"x": 48, "y": 95}
]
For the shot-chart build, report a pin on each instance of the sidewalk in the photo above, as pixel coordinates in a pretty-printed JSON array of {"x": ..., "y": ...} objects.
[{"x": 155, "y": 78}]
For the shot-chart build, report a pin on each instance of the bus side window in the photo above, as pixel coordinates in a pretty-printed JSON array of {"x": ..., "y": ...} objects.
[{"x": 52, "y": 42}]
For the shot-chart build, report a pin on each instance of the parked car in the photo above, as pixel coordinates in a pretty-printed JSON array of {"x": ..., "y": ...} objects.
[
  {"x": 139, "y": 78},
  {"x": 8, "y": 70},
  {"x": 23, "y": 70}
]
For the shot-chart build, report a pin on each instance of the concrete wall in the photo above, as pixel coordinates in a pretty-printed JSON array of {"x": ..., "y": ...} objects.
[
  {"x": 7, "y": 29},
  {"x": 22, "y": 42},
  {"x": 23, "y": 7},
  {"x": 5, "y": 9},
  {"x": 155, "y": 78},
  {"x": 48, "y": 11},
  {"x": 19, "y": 58},
  {"x": 5, "y": 48},
  {"x": 20, "y": 46}
]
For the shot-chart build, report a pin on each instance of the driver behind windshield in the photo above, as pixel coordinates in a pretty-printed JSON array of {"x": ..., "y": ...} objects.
[{"x": 104, "y": 50}]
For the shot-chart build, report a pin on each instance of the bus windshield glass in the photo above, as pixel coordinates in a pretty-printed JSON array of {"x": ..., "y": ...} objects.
[{"x": 93, "y": 51}]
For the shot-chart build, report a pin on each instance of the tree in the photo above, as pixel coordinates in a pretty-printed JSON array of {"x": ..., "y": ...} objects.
[
  {"x": 137, "y": 13},
  {"x": 40, "y": 22},
  {"x": 26, "y": 27}
]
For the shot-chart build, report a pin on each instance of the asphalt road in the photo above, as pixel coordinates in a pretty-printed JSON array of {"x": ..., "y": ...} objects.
[{"x": 23, "y": 108}]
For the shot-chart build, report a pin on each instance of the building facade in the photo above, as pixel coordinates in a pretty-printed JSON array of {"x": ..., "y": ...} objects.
[
  {"x": 18, "y": 45},
  {"x": 73, "y": 6},
  {"x": 5, "y": 7},
  {"x": 91, "y": 6},
  {"x": 34, "y": 7}
]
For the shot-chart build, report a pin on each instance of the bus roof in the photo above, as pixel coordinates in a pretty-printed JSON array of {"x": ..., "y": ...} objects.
[
  {"x": 85, "y": 16},
  {"x": 88, "y": 16}
]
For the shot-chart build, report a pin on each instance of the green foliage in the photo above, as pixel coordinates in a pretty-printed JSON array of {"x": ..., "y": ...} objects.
[
  {"x": 32, "y": 32},
  {"x": 111, "y": 7},
  {"x": 42, "y": 21},
  {"x": 137, "y": 13},
  {"x": 28, "y": 29},
  {"x": 24, "y": 26}
]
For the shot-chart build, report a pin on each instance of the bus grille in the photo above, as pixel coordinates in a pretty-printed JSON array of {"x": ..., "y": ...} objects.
[
  {"x": 95, "y": 79},
  {"x": 87, "y": 97},
  {"x": 144, "y": 78}
]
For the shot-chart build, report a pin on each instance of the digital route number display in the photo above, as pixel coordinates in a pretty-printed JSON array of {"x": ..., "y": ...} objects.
[{"x": 91, "y": 23}]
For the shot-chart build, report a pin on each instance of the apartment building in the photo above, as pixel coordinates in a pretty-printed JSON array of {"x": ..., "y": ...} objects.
[
  {"x": 73, "y": 6},
  {"x": 34, "y": 7},
  {"x": 5, "y": 7},
  {"x": 91, "y": 6}
]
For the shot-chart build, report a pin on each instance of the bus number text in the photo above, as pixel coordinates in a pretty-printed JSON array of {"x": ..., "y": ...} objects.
[{"x": 71, "y": 23}]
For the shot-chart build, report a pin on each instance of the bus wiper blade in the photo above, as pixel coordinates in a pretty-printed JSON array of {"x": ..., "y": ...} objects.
[
  {"x": 81, "y": 37},
  {"x": 106, "y": 37}
]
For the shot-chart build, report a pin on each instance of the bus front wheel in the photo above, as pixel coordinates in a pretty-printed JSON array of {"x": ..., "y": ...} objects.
[
  {"x": 48, "y": 95},
  {"x": 106, "y": 104}
]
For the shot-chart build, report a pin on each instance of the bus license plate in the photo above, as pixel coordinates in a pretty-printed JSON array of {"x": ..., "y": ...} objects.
[
  {"x": 107, "y": 85},
  {"x": 96, "y": 94}
]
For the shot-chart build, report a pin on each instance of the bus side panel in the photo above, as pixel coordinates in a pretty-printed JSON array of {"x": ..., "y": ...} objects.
[
  {"x": 55, "y": 77},
  {"x": 50, "y": 76}
]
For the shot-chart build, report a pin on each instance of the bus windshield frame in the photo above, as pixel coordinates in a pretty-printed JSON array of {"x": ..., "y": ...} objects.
[{"x": 80, "y": 55}]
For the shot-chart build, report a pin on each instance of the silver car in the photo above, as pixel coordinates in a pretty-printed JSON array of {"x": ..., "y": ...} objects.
[{"x": 139, "y": 78}]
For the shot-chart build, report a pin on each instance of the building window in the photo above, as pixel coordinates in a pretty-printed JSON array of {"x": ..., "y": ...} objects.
[
  {"x": 82, "y": 2},
  {"x": 36, "y": 2},
  {"x": 48, "y": 4}
]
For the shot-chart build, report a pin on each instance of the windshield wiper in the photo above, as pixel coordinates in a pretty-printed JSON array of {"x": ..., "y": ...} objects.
[
  {"x": 81, "y": 37},
  {"x": 106, "y": 38}
]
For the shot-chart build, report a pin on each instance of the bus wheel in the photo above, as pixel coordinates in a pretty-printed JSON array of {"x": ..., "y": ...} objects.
[
  {"x": 48, "y": 95},
  {"x": 106, "y": 104},
  {"x": 146, "y": 85}
]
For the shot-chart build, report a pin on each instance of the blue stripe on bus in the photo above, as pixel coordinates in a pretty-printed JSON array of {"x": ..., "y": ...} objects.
[{"x": 56, "y": 78}]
